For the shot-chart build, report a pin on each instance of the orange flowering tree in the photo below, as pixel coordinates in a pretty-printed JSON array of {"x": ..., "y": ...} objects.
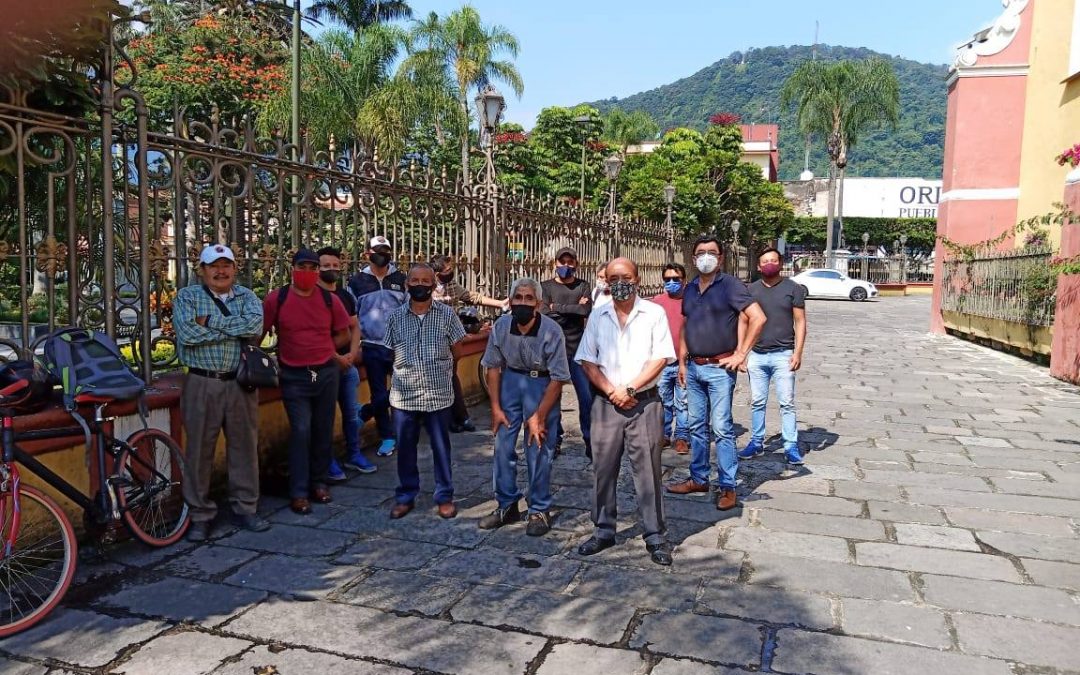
[{"x": 220, "y": 60}]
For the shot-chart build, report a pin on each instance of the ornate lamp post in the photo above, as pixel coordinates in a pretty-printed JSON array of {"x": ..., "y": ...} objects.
[
  {"x": 903, "y": 258},
  {"x": 734, "y": 257},
  {"x": 490, "y": 105},
  {"x": 612, "y": 167},
  {"x": 669, "y": 199},
  {"x": 583, "y": 120},
  {"x": 866, "y": 253}
]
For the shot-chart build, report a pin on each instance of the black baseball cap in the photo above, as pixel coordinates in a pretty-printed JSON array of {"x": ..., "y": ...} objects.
[
  {"x": 566, "y": 250},
  {"x": 305, "y": 255}
]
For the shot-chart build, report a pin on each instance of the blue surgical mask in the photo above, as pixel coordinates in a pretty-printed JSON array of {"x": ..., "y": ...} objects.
[
  {"x": 673, "y": 287},
  {"x": 565, "y": 271}
]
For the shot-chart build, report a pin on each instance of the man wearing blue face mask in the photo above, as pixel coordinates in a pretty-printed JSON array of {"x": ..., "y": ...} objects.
[
  {"x": 568, "y": 300},
  {"x": 673, "y": 394}
]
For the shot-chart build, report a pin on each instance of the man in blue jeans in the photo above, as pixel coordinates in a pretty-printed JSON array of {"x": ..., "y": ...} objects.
[
  {"x": 776, "y": 355},
  {"x": 711, "y": 351},
  {"x": 672, "y": 393},
  {"x": 527, "y": 367},
  {"x": 380, "y": 290}
]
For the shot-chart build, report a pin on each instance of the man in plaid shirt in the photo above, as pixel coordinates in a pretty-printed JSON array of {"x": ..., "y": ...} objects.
[
  {"x": 211, "y": 319},
  {"x": 424, "y": 336}
]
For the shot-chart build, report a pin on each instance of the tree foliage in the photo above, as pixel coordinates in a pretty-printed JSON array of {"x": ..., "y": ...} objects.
[
  {"x": 810, "y": 232},
  {"x": 356, "y": 15}
]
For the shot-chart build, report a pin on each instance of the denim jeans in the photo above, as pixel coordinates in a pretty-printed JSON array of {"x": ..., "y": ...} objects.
[
  {"x": 407, "y": 425},
  {"x": 673, "y": 396},
  {"x": 309, "y": 404},
  {"x": 520, "y": 396},
  {"x": 583, "y": 390},
  {"x": 379, "y": 364},
  {"x": 772, "y": 367},
  {"x": 708, "y": 396},
  {"x": 348, "y": 381}
]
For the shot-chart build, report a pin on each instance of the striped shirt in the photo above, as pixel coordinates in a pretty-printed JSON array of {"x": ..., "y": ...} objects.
[
  {"x": 215, "y": 346},
  {"x": 423, "y": 362}
]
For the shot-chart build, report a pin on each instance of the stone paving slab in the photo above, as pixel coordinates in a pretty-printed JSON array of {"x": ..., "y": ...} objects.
[
  {"x": 994, "y": 597},
  {"x": 577, "y": 659},
  {"x": 81, "y": 638},
  {"x": 1038, "y": 644},
  {"x": 708, "y": 638},
  {"x": 895, "y": 622},
  {"x": 185, "y": 653},
  {"x": 303, "y": 662}
]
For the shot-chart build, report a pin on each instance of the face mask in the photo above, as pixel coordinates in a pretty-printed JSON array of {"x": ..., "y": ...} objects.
[
  {"x": 673, "y": 287},
  {"x": 329, "y": 276},
  {"x": 707, "y": 262},
  {"x": 446, "y": 278},
  {"x": 379, "y": 259},
  {"x": 770, "y": 269},
  {"x": 601, "y": 285},
  {"x": 622, "y": 290},
  {"x": 522, "y": 314},
  {"x": 305, "y": 279},
  {"x": 420, "y": 293},
  {"x": 565, "y": 271}
]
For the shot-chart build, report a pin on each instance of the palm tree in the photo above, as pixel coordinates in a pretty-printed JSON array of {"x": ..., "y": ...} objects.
[
  {"x": 840, "y": 102},
  {"x": 359, "y": 14},
  {"x": 624, "y": 129},
  {"x": 467, "y": 51}
]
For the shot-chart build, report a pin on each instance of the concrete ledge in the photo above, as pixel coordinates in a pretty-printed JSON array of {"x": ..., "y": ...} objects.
[{"x": 1030, "y": 341}]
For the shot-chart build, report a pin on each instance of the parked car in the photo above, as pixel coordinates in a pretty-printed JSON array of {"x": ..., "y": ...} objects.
[{"x": 832, "y": 284}]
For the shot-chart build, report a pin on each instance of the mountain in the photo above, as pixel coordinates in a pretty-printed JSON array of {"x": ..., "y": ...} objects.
[{"x": 748, "y": 83}]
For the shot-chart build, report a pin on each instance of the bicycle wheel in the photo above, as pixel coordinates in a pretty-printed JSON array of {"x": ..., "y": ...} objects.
[
  {"x": 149, "y": 480},
  {"x": 36, "y": 573}
]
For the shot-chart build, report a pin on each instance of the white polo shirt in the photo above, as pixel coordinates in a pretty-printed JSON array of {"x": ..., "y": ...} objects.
[{"x": 621, "y": 352}]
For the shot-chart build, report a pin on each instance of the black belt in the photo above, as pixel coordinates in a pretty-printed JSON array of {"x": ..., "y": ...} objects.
[
  {"x": 529, "y": 373},
  {"x": 773, "y": 350},
  {"x": 212, "y": 374},
  {"x": 317, "y": 366},
  {"x": 648, "y": 395}
]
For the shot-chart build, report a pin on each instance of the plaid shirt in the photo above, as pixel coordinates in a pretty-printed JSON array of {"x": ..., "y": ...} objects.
[
  {"x": 453, "y": 293},
  {"x": 423, "y": 362},
  {"x": 215, "y": 346}
]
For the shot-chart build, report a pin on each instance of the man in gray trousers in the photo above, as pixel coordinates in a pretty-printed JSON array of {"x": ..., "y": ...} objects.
[{"x": 625, "y": 347}]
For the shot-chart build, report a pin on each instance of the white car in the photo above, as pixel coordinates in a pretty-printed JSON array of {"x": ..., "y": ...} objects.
[{"x": 833, "y": 284}]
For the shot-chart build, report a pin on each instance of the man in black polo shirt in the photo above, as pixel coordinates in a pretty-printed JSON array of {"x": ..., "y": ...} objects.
[
  {"x": 567, "y": 300},
  {"x": 711, "y": 351}
]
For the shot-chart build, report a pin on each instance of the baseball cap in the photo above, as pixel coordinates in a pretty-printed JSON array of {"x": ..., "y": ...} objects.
[
  {"x": 305, "y": 255},
  {"x": 566, "y": 250},
  {"x": 215, "y": 252},
  {"x": 378, "y": 241}
]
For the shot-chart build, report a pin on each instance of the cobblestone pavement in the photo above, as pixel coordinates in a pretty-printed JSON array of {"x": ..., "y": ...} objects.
[{"x": 934, "y": 529}]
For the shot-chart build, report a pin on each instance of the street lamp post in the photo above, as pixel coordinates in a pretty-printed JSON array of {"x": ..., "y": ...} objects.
[
  {"x": 583, "y": 120},
  {"x": 903, "y": 258},
  {"x": 866, "y": 256},
  {"x": 490, "y": 105},
  {"x": 669, "y": 199},
  {"x": 612, "y": 167},
  {"x": 735, "y": 225}
]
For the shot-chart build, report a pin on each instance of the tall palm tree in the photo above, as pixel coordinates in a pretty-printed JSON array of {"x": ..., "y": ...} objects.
[
  {"x": 624, "y": 129},
  {"x": 468, "y": 51},
  {"x": 841, "y": 101},
  {"x": 359, "y": 14}
]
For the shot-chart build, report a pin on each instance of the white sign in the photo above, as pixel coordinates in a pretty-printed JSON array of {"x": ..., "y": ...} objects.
[{"x": 882, "y": 198}]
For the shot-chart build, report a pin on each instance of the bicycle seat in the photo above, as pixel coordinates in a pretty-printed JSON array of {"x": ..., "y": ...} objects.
[{"x": 93, "y": 398}]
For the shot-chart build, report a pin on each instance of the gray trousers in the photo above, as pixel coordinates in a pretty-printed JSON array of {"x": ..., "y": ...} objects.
[
  {"x": 208, "y": 407},
  {"x": 637, "y": 432}
]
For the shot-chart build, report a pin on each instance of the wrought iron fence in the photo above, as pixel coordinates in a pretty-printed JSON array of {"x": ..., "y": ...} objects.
[
  {"x": 101, "y": 220},
  {"x": 894, "y": 269},
  {"x": 1014, "y": 286}
]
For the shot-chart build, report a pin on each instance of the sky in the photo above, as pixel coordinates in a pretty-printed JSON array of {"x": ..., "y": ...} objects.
[{"x": 585, "y": 50}]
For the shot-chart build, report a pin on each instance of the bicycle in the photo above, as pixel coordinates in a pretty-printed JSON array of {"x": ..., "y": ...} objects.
[{"x": 37, "y": 559}]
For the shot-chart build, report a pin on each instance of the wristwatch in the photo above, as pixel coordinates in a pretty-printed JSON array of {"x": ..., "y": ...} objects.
[{"x": 630, "y": 391}]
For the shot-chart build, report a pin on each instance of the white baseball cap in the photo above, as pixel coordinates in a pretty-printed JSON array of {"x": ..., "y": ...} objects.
[
  {"x": 215, "y": 252},
  {"x": 379, "y": 241}
]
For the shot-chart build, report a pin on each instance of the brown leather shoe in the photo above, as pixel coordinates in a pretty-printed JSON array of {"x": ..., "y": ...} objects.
[
  {"x": 447, "y": 510},
  {"x": 686, "y": 487},
  {"x": 300, "y": 506},
  {"x": 401, "y": 510},
  {"x": 321, "y": 495},
  {"x": 665, "y": 442},
  {"x": 682, "y": 447},
  {"x": 726, "y": 500}
]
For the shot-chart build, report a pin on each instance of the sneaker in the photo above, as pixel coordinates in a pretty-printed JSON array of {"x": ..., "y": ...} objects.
[
  {"x": 500, "y": 517},
  {"x": 386, "y": 448},
  {"x": 250, "y": 521},
  {"x": 752, "y": 449},
  {"x": 468, "y": 425},
  {"x": 334, "y": 474},
  {"x": 539, "y": 524},
  {"x": 357, "y": 462},
  {"x": 793, "y": 457}
]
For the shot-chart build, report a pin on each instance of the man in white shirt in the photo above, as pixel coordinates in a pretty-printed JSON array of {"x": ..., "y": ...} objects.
[{"x": 625, "y": 347}]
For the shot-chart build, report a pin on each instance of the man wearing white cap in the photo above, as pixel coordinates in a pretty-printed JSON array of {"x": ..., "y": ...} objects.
[
  {"x": 212, "y": 319},
  {"x": 380, "y": 291}
]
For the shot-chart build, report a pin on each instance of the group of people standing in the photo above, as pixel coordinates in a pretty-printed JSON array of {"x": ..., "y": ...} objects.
[{"x": 647, "y": 374}]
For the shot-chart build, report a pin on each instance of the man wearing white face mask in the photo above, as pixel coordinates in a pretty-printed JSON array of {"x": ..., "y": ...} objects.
[
  {"x": 601, "y": 295},
  {"x": 712, "y": 348}
]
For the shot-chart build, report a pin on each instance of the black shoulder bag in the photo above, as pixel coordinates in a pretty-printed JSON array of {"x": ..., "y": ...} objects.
[{"x": 257, "y": 369}]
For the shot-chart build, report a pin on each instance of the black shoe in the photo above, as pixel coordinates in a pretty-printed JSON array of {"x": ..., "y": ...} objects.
[
  {"x": 594, "y": 546},
  {"x": 539, "y": 524},
  {"x": 468, "y": 426},
  {"x": 660, "y": 553},
  {"x": 199, "y": 530},
  {"x": 500, "y": 517},
  {"x": 250, "y": 521},
  {"x": 456, "y": 428}
]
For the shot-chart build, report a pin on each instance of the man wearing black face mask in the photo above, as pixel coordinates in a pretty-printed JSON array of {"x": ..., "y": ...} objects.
[
  {"x": 380, "y": 290},
  {"x": 527, "y": 366},
  {"x": 568, "y": 300},
  {"x": 424, "y": 336},
  {"x": 347, "y": 359}
]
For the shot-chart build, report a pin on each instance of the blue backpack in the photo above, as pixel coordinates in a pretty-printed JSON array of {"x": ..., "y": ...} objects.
[{"x": 85, "y": 361}]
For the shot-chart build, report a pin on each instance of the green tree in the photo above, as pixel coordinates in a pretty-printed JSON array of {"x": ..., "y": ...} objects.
[
  {"x": 468, "y": 51},
  {"x": 558, "y": 139},
  {"x": 841, "y": 102},
  {"x": 623, "y": 129},
  {"x": 359, "y": 14}
]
